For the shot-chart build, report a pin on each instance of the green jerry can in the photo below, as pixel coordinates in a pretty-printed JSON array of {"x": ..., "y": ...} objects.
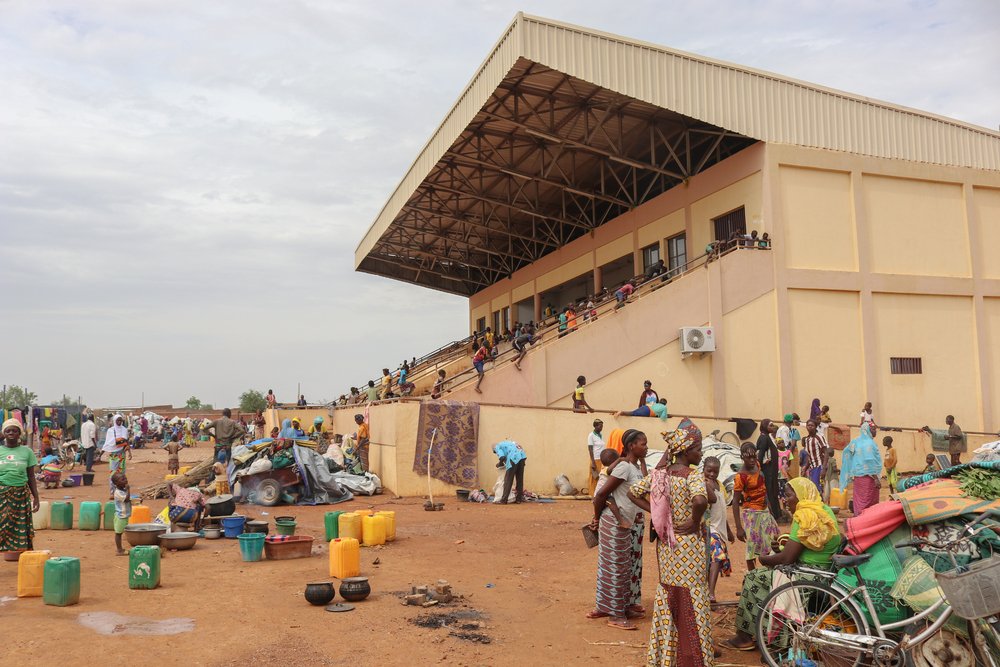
[
  {"x": 90, "y": 515},
  {"x": 109, "y": 515},
  {"x": 61, "y": 587},
  {"x": 144, "y": 567},
  {"x": 62, "y": 516},
  {"x": 332, "y": 525}
]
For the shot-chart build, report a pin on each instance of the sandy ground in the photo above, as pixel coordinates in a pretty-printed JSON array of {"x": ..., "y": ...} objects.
[{"x": 527, "y": 579}]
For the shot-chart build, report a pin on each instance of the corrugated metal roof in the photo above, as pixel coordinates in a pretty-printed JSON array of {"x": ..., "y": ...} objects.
[{"x": 752, "y": 103}]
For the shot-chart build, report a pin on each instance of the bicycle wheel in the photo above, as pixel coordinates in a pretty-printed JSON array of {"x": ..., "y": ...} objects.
[{"x": 785, "y": 632}]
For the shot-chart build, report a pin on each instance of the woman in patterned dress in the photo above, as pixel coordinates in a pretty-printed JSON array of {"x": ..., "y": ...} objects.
[
  {"x": 18, "y": 490},
  {"x": 676, "y": 497},
  {"x": 617, "y": 590}
]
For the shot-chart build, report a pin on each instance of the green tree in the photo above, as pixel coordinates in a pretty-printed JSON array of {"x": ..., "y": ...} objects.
[
  {"x": 18, "y": 397},
  {"x": 252, "y": 400},
  {"x": 65, "y": 402},
  {"x": 194, "y": 403}
]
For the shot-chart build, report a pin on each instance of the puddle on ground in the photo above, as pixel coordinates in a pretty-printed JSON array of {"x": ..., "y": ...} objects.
[
  {"x": 110, "y": 623},
  {"x": 4, "y": 599}
]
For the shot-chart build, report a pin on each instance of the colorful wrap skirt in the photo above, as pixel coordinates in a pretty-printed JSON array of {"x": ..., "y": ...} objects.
[{"x": 16, "y": 530}]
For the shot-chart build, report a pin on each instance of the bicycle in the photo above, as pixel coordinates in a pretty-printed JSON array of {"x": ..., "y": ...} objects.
[{"x": 819, "y": 621}]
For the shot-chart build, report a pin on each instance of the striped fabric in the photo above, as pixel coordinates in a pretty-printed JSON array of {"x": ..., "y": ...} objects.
[{"x": 614, "y": 567}]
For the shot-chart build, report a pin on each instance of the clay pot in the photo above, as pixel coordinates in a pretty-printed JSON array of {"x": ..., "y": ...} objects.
[
  {"x": 320, "y": 593},
  {"x": 355, "y": 589}
]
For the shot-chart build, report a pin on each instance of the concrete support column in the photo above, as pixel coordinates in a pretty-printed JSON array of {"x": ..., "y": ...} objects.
[
  {"x": 538, "y": 307},
  {"x": 598, "y": 280},
  {"x": 985, "y": 365},
  {"x": 869, "y": 353},
  {"x": 718, "y": 358}
]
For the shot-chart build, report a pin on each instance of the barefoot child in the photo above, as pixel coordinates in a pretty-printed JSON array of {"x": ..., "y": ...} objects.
[
  {"x": 719, "y": 526},
  {"x": 123, "y": 508},
  {"x": 889, "y": 460},
  {"x": 173, "y": 455}
]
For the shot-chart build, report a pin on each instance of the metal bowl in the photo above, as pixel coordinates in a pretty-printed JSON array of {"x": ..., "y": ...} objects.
[
  {"x": 144, "y": 534},
  {"x": 212, "y": 533},
  {"x": 178, "y": 541}
]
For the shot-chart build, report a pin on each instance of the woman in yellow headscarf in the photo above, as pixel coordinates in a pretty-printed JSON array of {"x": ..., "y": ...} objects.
[{"x": 812, "y": 541}]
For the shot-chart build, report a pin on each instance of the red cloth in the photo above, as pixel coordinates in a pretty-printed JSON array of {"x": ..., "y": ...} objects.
[
  {"x": 875, "y": 523},
  {"x": 838, "y": 436},
  {"x": 865, "y": 493}
]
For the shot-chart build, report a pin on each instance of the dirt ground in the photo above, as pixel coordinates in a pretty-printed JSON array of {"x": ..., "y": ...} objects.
[{"x": 524, "y": 571}]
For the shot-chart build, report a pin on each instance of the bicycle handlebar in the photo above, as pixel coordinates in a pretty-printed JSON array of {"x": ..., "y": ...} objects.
[{"x": 995, "y": 514}]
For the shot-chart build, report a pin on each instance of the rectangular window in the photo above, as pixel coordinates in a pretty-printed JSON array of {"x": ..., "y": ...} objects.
[
  {"x": 496, "y": 321},
  {"x": 677, "y": 255},
  {"x": 650, "y": 255},
  {"x": 734, "y": 222},
  {"x": 481, "y": 325},
  {"x": 906, "y": 365}
]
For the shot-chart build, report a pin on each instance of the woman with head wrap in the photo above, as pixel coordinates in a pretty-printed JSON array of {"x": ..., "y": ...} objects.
[
  {"x": 862, "y": 462},
  {"x": 676, "y": 498},
  {"x": 617, "y": 552},
  {"x": 117, "y": 448},
  {"x": 287, "y": 431},
  {"x": 812, "y": 541},
  {"x": 767, "y": 456},
  {"x": 815, "y": 410},
  {"x": 18, "y": 490}
]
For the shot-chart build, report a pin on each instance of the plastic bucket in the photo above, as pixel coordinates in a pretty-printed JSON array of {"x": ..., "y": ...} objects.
[
  {"x": 88, "y": 479},
  {"x": 251, "y": 546},
  {"x": 233, "y": 525},
  {"x": 77, "y": 480},
  {"x": 285, "y": 527}
]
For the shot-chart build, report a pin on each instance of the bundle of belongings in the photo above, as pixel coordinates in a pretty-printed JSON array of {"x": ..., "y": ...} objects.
[
  {"x": 935, "y": 506},
  {"x": 303, "y": 476}
]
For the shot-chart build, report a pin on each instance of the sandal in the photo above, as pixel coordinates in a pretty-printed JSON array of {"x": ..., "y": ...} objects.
[
  {"x": 621, "y": 625},
  {"x": 596, "y": 614},
  {"x": 631, "y": 613}
]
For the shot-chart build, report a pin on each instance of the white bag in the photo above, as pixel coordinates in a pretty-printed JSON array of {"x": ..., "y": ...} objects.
[
  {"x": 564, "y": 487},
  {"x": 260, "y": 465}
]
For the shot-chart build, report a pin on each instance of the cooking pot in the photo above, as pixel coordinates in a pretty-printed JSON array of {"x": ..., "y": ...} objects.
[{"x": 221, "y": 505}]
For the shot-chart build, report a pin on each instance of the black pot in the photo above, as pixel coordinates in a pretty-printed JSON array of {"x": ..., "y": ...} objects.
[
  {"x": 320, "y": 593},
  {"x": 221, "y": 505},
  {"x": 255, "y": 527},
  {"x": 355, "y": 589}
]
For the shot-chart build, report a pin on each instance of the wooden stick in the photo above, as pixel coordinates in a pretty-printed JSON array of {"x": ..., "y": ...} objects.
[{"x": 430, "y": 493}]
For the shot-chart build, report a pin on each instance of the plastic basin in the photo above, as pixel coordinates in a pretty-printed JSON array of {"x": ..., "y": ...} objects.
[{"x": 285, "y": 547}]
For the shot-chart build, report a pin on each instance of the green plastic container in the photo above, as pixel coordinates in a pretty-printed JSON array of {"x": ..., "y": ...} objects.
[
  {"x": 90, "y": 515},
  {"x": 62, "y": 516},
  {"x": 285, "y": 527},
  {"x": 109, "y": 515},
  {"x": 143, "y": 567},
  {"x": 251, "y": 546},
  {"x": 332, "y": 525},
  {"x": 62, "y": 581}
]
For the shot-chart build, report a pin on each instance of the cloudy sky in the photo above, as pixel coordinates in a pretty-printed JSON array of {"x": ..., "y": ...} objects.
[{"x": 183, "y": 184}]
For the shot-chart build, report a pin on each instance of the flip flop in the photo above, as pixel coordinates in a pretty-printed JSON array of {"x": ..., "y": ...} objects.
[
  {"x": 621, "y": 626},
  {"x": 596, "y": 614},
  {"x": 749, "y": 647}
]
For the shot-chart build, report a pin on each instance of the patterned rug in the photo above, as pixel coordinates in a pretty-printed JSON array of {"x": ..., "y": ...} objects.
[
  {"x": 942, "y": 499},
  {"x": 454, "y": 458}
]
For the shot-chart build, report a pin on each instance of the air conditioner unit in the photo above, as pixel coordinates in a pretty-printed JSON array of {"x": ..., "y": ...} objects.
[{"x": 697, "y": 339}]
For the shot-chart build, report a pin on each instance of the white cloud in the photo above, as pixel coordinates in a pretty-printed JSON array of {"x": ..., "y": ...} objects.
[{"x": 183, "y": 184}]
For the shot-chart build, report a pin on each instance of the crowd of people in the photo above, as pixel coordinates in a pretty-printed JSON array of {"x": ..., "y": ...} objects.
[{"x": 785, "y": 480}]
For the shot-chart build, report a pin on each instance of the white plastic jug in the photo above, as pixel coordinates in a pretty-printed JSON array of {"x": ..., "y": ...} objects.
[{"x": 42, "y": 518}]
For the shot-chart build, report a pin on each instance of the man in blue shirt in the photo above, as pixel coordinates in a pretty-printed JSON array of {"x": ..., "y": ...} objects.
[{"x": 511, "y": 457}]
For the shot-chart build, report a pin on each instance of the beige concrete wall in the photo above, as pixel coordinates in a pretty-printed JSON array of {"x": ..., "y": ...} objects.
[
  {"x": 989, "y": 328},
  {"x": 827, "y": 357},
  {"x": 660, "y": 230},
  {"x": 749, "y": 338},
  {"x": 986, "y": 203},
  {"x": 916, "y": 227},
  {"x": 940, "y": 330},
  {"x": 819, "y": 209}
]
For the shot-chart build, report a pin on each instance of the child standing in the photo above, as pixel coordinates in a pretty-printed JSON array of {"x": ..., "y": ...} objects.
[
  {"x": 173, "y": 455},
  {"x": 831, "y": 473},
  {"x": 720, "y": 532},
  {"x": 123, "y": 508},
  {"x": 784, "y": 461},
  {"x": 750, "y": 507},
  {"x": 579, "y": 400},
  {"x": 889, "y": 461}
]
